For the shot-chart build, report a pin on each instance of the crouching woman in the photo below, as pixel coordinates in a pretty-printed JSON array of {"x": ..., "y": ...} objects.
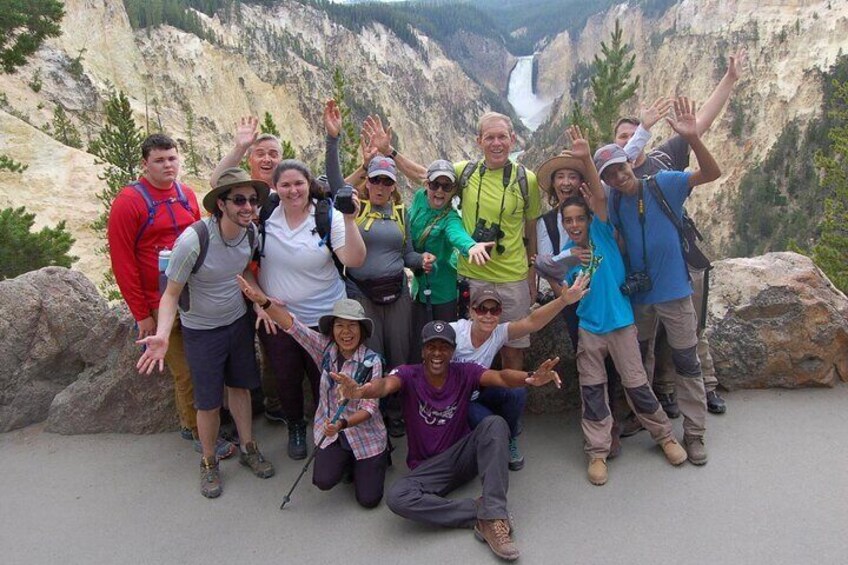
[{"x": 356, "y": 439}]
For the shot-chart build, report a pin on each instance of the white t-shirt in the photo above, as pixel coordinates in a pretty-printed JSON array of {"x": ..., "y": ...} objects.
[
  {"x": 299, "y": 271},
  {"x": 483, "y": 355}
]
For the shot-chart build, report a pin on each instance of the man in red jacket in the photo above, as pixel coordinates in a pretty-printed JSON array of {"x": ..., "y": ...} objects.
[{"x": 146, "y": 218}]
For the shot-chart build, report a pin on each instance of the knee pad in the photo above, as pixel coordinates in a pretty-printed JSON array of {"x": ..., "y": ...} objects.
[
  {"x": 686, "y": 361},
  {"x": 644, "y": 401},
  {"x": 595, "y": 407}
]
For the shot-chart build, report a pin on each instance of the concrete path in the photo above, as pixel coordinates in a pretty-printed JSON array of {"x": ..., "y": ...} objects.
[{"x": 774, "y": 492}]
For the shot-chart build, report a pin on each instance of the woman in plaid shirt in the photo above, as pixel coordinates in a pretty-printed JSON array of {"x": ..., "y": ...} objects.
[{"x": 358, "y": 438}]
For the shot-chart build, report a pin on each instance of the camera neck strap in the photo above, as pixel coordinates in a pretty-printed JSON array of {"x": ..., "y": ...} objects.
[{"x": 507, "y": 179}]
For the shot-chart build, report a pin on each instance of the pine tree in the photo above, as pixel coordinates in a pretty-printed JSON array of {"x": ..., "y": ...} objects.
[
  {"x": 191, "y": 158},
  {"x": 611, "y": 86},
  {"x": 22, "y": 251},
  {"x": 64, "y": 130},
  {"x": 23, "y": 28},
  {"x": 831, "y": 250},
  {"x": 349, "y": 138},
  {"x": 118, "y": 146},
  {"x": 268, "y": 125},
  {"x": 9, "y": 164}
]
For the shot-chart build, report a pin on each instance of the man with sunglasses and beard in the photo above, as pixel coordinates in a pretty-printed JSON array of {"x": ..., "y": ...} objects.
[{"x": 444, "y": 453}]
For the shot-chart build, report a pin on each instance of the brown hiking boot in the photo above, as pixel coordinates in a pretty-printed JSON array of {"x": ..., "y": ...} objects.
[
  {"x": 496, "y": 534},
  {"x": 210, "y": 478},
  {"x": 696, "y": 450},
  {"x": 674, "y": 452},
  {"x": 251, "y": 457},
  {"x": 598, "y": 471}
]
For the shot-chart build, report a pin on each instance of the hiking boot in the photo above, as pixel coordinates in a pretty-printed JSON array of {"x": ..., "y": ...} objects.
[
  {"x": 695, "y": 449},
  {"x": 251, "y": 457},
  {"x": 631, "y": 426},
  {"x": 395, "y": 427},
  {"x": 598, "y": 471},
  {"x": 674, "y": 452},
  {"x": 669, "y": 405},
  {"x": 223, "y": 448},
  {"x": 186, "y": 434},
  {"x": 297, "y": 440},
  {"x": 715, "y": 403},
  {"x": 275, "y": 416},
  {"x": 516, "y": 460},
  {"x": 210, "y": 478},
  {"x": 496, "y": 534}
]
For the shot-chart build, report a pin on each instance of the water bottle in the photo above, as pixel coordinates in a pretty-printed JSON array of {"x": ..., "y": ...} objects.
[{"x": 164, "y": 259}]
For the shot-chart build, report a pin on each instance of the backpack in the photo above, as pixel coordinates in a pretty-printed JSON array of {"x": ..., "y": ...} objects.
[
  {"x": 520, "y": 178},
  {"x": 551, "y": 221},
  {"x": 366, "y": 217},
  {"x": 202, "y": 231},
  {"x": 323, "y": 226},
  {"x": 152, "y": 205}
]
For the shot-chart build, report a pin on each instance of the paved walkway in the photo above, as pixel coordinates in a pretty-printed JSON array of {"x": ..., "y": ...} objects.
[{"x": 774, "y": 492}]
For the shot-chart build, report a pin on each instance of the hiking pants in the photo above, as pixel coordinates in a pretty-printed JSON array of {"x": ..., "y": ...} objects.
[
  {"x": 508, "y": 403},
  {"x": 420, "y": 495},
  {"x": 369, "y": 474},
  {"x": 175, "y": 359},
  {"x": 290, "y": 362}
]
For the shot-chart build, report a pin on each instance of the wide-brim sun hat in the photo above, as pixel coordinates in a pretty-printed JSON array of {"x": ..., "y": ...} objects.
[
  {"x": 546, "y": 171},
  {"x": 346, "y": 309},
  {"x": 231, "y": 178}
]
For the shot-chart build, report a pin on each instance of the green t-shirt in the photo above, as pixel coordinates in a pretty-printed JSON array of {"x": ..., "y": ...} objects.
[
  {"x": 446, "y": 234},
  {"x": 511, "y": 265}
]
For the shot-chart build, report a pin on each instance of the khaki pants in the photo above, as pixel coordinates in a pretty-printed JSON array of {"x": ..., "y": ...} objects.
[
  {"x": 597, "y": 420},
  {"x": 660, "y": 357},
  {"x": 681, "y": 326},
  {"x": 175, "y": 359}
]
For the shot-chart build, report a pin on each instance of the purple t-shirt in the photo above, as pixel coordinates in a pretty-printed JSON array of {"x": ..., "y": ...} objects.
[{"x": 435, "y": 418}]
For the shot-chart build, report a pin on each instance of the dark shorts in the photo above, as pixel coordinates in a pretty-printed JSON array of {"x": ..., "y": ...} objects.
[{"x": 219, "y": 357}]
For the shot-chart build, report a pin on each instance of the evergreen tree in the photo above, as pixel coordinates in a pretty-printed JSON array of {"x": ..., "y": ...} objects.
[
  {"x": 268, "y": 125},
  {"x": 22, "y": 251},
  {"x": 831, "y": 251},
  {"x": 64, "y": 130},
  {"x": 611, "y": 86},
  {"x": 349, "y": 138},
  {"x": 118, "y": 146},
  {"x": 191, "y": 158},
  {"x": 23, "y": 28},
  {"x": 9, "y": 164}
]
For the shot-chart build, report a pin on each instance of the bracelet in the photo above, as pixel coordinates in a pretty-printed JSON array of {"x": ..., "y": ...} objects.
[
  {"x": 394, "y": 153},
  {"x": 343, "y": 423},
  {"x": 266, "y": 304}
]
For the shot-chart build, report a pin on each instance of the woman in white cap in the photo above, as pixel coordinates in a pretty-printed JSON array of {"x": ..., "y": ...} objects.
[
  {"x": 356, "y": 439},
  {"x": 436, "y": 228}
]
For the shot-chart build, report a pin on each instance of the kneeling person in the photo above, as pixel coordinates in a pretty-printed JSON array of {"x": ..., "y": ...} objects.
[{"x": 443, "y": 451}]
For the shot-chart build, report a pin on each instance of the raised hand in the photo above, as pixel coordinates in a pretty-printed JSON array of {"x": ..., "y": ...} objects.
[
  {"x": 737, "y": 64},
  {"x": 247, "y": 130},
  {"x": 683, "y": 123},
  {"x": 348, "y": 389},
  {"x": 479, "y": 252},
  {"x": 368, "y": 151},
  {"x": 154, "y": 354},
  {"x": 579, "y": 144},
  {"x": 332, "y": 118},
  {"x": 545, "y": 374},
  {"x": 576, "y": 291},
  {"x": 380, "y": 137},
  {"x": 655, "y": 112}
]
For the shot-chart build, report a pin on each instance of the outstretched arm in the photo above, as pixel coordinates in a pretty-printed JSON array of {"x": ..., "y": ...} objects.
[
  {"x": 375, "y": 388},
  {"x": 247, "y": 130},
  {"x": 718, "y": 98},
  {"x": 685, "y": 126},
  {"x": 510, "y": 378},
  {"x": 156, "y": 346},
  {"x": 381, "y": 138},
  {"x": 277, "y": 312},
  {"x": 542, "y": 316}
]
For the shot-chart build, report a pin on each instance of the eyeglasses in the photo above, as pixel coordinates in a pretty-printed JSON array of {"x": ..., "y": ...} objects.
[
  {"x": 385, "y": 181},
  {"x": 443, "y": 186},
  {"x": 493, "y": 310},
  {"x": 240, "y": 200}
]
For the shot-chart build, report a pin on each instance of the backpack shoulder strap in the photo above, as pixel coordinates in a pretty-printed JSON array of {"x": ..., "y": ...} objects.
[
  {"x": 181, "y": 197},
  {"x": 141, "y": 190},
  {"x": 202, "y": 231},
  {"x": 521, "y": 179},
  {"x": 551, "y": 221},
  {"x": 466, "y": 173},
  {"x": 265, "y": 213}
]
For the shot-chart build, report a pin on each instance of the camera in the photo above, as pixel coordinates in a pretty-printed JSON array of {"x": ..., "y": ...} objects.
[
  {"x": 635, "y": 283},
  {"x": 483, "y": 234},
  {"x": 344, "y": 200}
]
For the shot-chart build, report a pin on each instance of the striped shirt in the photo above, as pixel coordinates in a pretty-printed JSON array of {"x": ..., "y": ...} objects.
[{"x": 366, "y": 439}]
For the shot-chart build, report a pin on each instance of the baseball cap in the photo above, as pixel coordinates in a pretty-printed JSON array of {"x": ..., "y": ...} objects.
[
  {"x": 609, "y": 155},
  {"x": 441, "y": 168},
  {"x": 482, "y": 295},
  {"x": 438, "y": 330},
  {"x": 382, "y": 166}
]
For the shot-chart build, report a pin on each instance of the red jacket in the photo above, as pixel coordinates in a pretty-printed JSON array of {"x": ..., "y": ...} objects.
[{"x": 136, "y": 266}]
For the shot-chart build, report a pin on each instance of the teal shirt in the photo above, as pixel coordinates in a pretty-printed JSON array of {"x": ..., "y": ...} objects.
[{"x": 446, "y": 234}]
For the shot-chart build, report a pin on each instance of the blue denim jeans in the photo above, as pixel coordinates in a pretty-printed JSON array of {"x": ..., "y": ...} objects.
[{"x": 508, "y": 403}]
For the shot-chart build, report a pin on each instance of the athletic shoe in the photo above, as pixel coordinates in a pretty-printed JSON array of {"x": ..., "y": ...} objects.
[
  {"x": 297, "y": 440},
  {"x": 669, "y": 405},
  {"x": 210, "y": 478},
  {"x": 496, "y": 533},
  {"x": 715, "y": 403},
  {"x": 675, "y": 454},
  {"x": 695, "y": 449},
  {"x": 516, "y": 460},
  {"x": 223, "y": 448},
  {"x": 186, "y": 434},
  {"x": 598, "y": 471},
  {"x": 251, "y": 457}
]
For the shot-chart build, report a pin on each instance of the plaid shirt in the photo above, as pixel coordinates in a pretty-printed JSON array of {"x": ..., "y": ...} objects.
[{"x": 366, "y": 439}]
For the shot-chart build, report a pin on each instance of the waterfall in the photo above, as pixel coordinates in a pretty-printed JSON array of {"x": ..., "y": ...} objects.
[{"x": 531, "y": 109}]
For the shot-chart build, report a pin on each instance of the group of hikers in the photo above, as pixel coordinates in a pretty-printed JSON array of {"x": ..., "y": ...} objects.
[{"x": 316, "y": 267}]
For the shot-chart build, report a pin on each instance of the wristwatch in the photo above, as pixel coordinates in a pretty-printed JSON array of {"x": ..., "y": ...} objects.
[
  {"x": 267, "y": 304},
  {"x": 343, "y": 424},
  {"x": 394, "y": 153}
]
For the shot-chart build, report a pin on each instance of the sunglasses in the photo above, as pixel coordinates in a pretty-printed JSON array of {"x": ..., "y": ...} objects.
[
  {"x": 385, "y": 181},
  {"x": 493, "y": 310},
  {"x": 240, "y": 200},
  {"x": 443, "y": 186}
]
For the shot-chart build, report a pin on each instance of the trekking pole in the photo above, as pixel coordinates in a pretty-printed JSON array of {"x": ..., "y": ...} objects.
[{"x": 367, "y": 365}]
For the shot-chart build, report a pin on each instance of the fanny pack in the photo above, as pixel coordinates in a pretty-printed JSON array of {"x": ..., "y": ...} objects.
[{"x": 382, "y": 290}]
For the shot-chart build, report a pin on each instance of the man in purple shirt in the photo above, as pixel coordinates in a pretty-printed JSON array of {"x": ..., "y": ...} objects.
[{"x": 444, "y": 453}]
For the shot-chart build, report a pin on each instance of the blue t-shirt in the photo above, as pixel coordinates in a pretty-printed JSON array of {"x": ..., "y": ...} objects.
[
  {"x": 604, "y": 309},
  {"x": 666, "y": 267}
]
